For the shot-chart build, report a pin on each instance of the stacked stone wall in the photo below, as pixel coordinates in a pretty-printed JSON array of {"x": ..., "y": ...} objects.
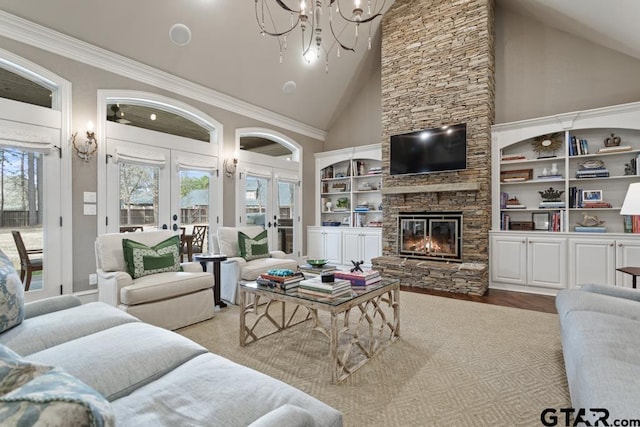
[{"x": 438, "y": 69}]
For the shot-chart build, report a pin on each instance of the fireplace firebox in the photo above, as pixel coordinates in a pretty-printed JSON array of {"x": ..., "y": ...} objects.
[{"x": 430, "y": 235}]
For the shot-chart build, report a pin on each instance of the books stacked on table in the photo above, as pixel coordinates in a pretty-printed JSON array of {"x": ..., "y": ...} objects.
[
  {"x": 365, "y": 278},
  {"x": 317, "y": 287},
  {"x": 284, "y": 280},
  {"x": 308, "y": 268}
]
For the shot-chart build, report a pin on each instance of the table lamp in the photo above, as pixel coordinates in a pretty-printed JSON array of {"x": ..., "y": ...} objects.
[{"x": 631, "y": 204}]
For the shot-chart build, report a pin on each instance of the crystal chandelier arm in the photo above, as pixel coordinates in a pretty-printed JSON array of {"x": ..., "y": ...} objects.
[
  {"x": 337, "y": 38},
  {"x": 264, "y": 29},
  {"x": 358, "y": 21}
]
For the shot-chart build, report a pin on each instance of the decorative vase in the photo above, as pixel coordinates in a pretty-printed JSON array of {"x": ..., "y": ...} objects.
[
  {"x": 554, "y": 169},
  {"x": 545, "y": 172},
  {"x": 328, "y": 205}
]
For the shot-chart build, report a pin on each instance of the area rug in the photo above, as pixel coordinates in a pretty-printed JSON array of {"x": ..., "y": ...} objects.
[{"x": 457, "y": 363}]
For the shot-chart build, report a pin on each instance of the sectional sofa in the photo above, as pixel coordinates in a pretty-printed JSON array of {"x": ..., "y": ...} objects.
[
  {"x": 67, "y": 363},
  {"x": 600, "y": 331}
]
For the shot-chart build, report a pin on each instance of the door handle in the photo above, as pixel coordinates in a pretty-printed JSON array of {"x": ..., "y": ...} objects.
[
  {"x": 164, "y": 226},
  {"x": 175, "y": 227},
  {"x": 269, "y": 224}
]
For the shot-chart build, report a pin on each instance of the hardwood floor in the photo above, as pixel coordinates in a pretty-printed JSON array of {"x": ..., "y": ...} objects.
[{"x": 543, "y": 303}]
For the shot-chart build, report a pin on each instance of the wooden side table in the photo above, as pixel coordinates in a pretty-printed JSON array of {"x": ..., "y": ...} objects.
[
  {"x": 633, "y": 271},
  {"x": 216, "y": 259}
]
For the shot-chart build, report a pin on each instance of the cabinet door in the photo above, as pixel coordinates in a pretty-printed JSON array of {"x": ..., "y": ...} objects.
[
  {"x": 371, "y": 246},
  {"x": 509, "y": 259},
  {"x": 627, "y": 255},
  {"x": 547, "y": 262},
  {"x": 315, "y": 244},
  {"x": 592, "y": 261},
  {"x": 333, "y": 245},
  {"x": 351, "y": 243}
]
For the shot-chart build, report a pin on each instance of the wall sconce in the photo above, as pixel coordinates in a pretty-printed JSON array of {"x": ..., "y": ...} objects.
[
  {"x": 89, "y": 146},
  {"x": 230, "y": 166}
]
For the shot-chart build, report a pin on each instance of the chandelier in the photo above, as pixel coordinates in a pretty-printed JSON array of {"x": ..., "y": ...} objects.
[{"x": 324, "y": 26}]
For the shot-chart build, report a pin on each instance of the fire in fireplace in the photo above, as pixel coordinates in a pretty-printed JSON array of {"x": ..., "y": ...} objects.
[{"x": 432, "y": 235}]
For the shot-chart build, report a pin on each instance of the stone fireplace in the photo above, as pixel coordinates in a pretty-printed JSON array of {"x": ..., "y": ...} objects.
[
  {"x": 438, "y": 69},
  {"x": 430, "y": 235}
]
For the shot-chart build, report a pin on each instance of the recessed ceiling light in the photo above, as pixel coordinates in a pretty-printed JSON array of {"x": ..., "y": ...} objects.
[
  {"x": 289, "y": 87},
  {"x": 152, "y": 116},
  {"x": 180, "y": 34}
]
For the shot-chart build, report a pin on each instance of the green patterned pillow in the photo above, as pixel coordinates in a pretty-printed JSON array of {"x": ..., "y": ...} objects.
[
  {"x": 35, "y": 394},
  {"x": 253, "y": 247},
  {"x": 143, "y": 260},
  {"x": 11, "y": 295}
]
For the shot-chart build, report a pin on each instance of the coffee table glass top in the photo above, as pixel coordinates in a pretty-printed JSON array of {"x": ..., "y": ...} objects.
[{"x": 356, "y": 291}]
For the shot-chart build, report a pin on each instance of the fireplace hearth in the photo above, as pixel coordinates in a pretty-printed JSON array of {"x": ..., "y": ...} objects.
[{"x": 430, "y": 235}]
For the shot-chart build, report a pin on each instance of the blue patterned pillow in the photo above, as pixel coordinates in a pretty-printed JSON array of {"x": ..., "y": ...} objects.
[
  {"x": 11, "y": 295},
  {"x": 33, "y": 394}
]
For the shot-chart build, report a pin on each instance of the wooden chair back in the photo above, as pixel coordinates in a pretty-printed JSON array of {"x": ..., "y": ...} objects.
[{"x": 199, "y": 235}]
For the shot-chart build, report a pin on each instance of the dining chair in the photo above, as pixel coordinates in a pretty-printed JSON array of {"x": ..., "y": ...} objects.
[
  {"x": 199, "y": 234},
  {"x": 28, "y": 264},
  {"x": 184, "y": 243}
]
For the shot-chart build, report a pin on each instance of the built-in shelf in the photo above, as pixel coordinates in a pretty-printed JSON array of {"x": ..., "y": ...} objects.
[{"x": 433, "y": 188}]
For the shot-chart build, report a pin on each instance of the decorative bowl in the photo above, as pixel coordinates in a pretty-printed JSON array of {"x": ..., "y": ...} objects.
[{"x": 317, "y": 262}]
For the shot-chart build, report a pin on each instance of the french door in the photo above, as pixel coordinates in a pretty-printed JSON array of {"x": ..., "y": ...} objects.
[
  {"x": 30, "y": 201},
  {"x": 269, "y": 199},
  {"x": 151, "y": 185}
]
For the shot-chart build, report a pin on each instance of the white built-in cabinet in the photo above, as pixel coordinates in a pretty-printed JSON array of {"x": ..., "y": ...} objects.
[
  {"x": 545, "y": 260},
  {"x": 534, "y": 262},
  {"x": 348, "y": 196},
  {"x": 594, "y": 260},
  {"x": 325, "y": 243}
]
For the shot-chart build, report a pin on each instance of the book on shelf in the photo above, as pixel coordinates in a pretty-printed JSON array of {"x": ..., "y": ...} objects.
[
  {"x": 578, "y": 146},
  {"x": 596, "y": 229},
  {"x": 631, "y": 223},
  {"x": 547, "y": 205},
  {"x": 515, "y": 207},
  {"x": 556, "y": 176},
  {"x": 591, "y": 170},
  {"x": 592, "y": 175},
  {"x": 508, "y": 157},
  {"x": 515, "y": 179},
  {"x": 619, "y": 148},
  {"x": 596, "y": 205}
]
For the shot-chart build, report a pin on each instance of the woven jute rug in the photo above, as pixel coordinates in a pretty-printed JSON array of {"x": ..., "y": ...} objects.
[{"x": 457, "y": 363}]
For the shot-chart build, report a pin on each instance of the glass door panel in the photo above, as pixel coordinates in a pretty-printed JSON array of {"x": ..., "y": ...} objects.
[
  {"x": 29, "y": 218},
  {"x": 139, "y": 192},
  {"x": 195, "y": 197},
  {"x": 256, "y": 200},
  {"x": 285, "y": 215}
]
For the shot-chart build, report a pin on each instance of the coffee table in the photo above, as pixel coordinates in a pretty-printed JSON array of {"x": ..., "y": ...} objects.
[{"x": 354, "y": 338}]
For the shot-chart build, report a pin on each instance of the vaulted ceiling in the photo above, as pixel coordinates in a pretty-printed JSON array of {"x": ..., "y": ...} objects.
[{"x": 227, "y": 53}]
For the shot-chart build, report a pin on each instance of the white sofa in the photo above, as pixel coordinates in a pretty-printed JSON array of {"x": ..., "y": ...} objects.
[
  {"x": 170, "y": 300},
  {"x": 236, "y": 269},
  {"x": 130, "y": 373}
]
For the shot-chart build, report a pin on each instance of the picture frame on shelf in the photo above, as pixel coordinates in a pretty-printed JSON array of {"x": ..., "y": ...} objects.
[
  {"x": 592, "y": 196},
  {"x": 541, "y": 220}
]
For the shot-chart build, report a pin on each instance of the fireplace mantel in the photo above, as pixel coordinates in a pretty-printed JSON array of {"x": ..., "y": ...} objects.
[{"x": 432, "y": 188}]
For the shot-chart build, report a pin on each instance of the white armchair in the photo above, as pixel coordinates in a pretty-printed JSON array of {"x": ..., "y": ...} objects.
[
  {"x": 236, "y": 269},
  {"x": 170, "y": 300}
]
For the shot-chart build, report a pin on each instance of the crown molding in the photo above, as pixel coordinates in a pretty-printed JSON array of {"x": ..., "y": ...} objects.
[{"x": 36, "y": 35}]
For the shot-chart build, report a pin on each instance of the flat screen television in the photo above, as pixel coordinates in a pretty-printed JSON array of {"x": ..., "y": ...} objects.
[{"x": 430, "y": 150}]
